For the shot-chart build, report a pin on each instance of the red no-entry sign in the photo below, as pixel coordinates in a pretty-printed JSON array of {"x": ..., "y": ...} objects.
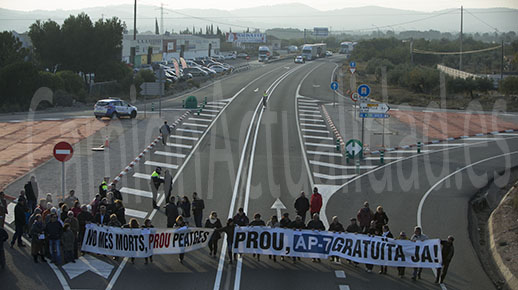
[{"x": 63, "y": 151}]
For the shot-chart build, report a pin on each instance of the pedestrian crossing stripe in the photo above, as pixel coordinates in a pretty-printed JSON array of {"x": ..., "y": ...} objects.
[
  {"x": 161, "y": 164},
  {"x": 170, "y": 154},
  {"x": 136, "y": 192},
  {"x": 196, "y": 125},
  {"x": 184, "y": 137},
  {"x": 179, "y": 145},
  {"x": 333, "y": 177},
  {"x": 135, "y": 213},
  {"x": 190, "y": 131}
]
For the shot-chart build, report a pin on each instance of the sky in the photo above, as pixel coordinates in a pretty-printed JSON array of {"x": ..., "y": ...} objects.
[{"x": 418, "y": 5}]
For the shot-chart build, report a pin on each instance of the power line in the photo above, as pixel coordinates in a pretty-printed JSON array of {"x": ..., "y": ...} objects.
[{"x": 476, "y": 17}]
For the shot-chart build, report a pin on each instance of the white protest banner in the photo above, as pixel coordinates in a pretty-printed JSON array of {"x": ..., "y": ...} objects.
[
  {"x": 321, "y": 244},
  {"x": 143, "y": 242}
]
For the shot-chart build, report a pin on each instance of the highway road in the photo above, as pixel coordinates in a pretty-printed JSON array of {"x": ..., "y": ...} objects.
[{"x": 237, "y": 154}]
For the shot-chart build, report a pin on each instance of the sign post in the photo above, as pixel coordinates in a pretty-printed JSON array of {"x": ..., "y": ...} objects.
[
  {"x": 363, "y": 91},
  {"x": 63, "y": 151},
  {"x": 334, "y": 87}
]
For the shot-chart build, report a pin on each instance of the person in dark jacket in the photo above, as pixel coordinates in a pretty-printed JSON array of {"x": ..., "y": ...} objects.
[
  {"x": 54, "y": 232},
  {"x": 381, "y": 218},
  {"x": 180, "y": 224},
  {"x": 365, "y": 217},
  {"x": 316, "y": 224},
  {"x": 3, "y": 238},
  {"x": 120, "y": 211},
  {"x": 229, "y": 230},
  {"x": 171, "y": 211},
  {"x": 30, "y": 195},
  {"x": 133, "y": 224},
  {"x": 386, "y": 234},
  {"x": 257, "y": 222},
  {"x": 3, "y": 209},
  {"x": 371, "y": 231},
  {"x": 38, "y": 236},
  {"x": 185, "y": 205},
  {"x": 240, "y": 218},
  {"x": 103, "y": 188},
  {"x": 102, "y": 217},
  {"x": 213, "y": 222},
  {"x": 68, "y": 240},
  {"x": 83, "y": 218},
  {"x": 285, "y": 221},
  {"x": 19, "y": 222},
  {"x": 401, "y": 270},
  {"x": 353, "y": 228},
  {"x": 447, "y": 252},
  {"x": 197, "y": 209},
  {"x": 147, "y": 225},
  {"x": 315, "y": 203},
  {"x": 336, "y": 227},
  {"x": 297, "y": 224},
  {"x": 302, "y": 205}
]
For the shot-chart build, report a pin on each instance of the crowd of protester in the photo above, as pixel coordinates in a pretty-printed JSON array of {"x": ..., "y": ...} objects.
[{"x": 56, "y": 229}]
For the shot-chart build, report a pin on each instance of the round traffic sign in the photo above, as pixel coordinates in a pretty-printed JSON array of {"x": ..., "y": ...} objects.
[
  {"x": 352, "y": 64},
  {"x": 334, "y": 86},
  {"x": 364, "y": 90},
  {"x": 354, "y": 97},
  {"x": 63, "y": 151}
]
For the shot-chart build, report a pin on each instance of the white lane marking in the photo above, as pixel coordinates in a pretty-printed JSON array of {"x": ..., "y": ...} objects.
[
  {"x": 170, "y": 154},
  {"x": 444, "y": 144},
  {"x": 214, "y": 106},
  {"x": 217, "y": 102},
  {"x": 320, "y": 145},
  {"x": 338, "y": 166},
  {"x": 482, "y": 138},
  {"x": 117, "y": 274},
  {"x": 136, "y": 192},
  {"x": 196, "y": 125},
  {"x": 312, "y": 105},
  {"x": 210, "y": 111},
  {"x": 143, "y": 176},
  {"x": 309, "y": 111},
  {"x": 333, "y": 177},
  {"x": 189, "y": 131},
  {"x": 315, "y": 131},
  {"x": 314, "y": 125},
  {"x": 179, "y": 145},
  {"x": 311, "y": 120},
  {"x": 318, "y": 137},
  {"x": 344, "y": 287},
  {"x": 88, "y": 263},
  {"x": 206, "y": 115},
  {"x": 135, "y": 213},
  {"x": 311, "y": 115},
  {"x": 201, "y": 119},
  {"x": 506, "y": 134},
  {"x": 404, "y": 151},
  {"x": 428, "y": 111},
  {"x": 339, "y": 274},
  {"x": 161, "y": 164},
  {"x": 184, "y": 137},
  {"x": 301, "y": 106},
  {"x": 385, "y": 157},
  {"x": 429, "y": 191},
  {"x": 324, "y": 153},
  {"x": 306, "y": 99}
]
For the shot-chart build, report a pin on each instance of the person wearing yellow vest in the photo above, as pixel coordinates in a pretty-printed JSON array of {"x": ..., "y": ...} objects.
[
  {"x": 155, "y": 184},
  {"x": 103, "y": 188},
  {"x": 265, "y": 98}
]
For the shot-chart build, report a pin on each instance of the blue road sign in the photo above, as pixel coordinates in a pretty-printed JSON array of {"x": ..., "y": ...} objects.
[
  {"x": 334, "y": 86},
  {"x": 374, "y": 115},
  {"x": 352, "y": 64},
  {"x": 364, "y": 90}
]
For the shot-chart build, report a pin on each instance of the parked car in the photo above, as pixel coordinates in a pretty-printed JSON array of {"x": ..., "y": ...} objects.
[
  {"x": 219, "y": 68},
  {"x": 299, "y": 59},
  {"x": 329, "y": 53},
  {"x": 230, "y": 56},
  {"x": 242, "y": 55},
  {"x": 208, "y": 70},
  {"x": 114, "y": 108},
  {"x": 196, "y": 71}
]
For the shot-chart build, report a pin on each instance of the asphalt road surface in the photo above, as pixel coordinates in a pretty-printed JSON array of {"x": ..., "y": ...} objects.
[{"x": 237, "y": 154}]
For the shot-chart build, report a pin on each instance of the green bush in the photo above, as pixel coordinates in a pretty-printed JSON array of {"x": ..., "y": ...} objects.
[
  {"x": 509, "y": 86},
  {"x": 142, "y": 76},
  {"x": 63, "y": 98},
  {"x": 114, "y": 70},
  {"x": 50, "y": 80},
  {"x": 73, "y": 83},
  {"x": 18, "y": 82},
  {"x": 374, "y": 66}
]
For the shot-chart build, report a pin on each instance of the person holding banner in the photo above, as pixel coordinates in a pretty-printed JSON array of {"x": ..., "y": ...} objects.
[
  {"x": 213, "y": 222},
  {"x": 180, "y": 223},
  {"x": 386, "y": 234},
  {"x": 447, "y": 252},
  {"x": 401, "y": 270},
  {"x": 171, "y": 211},
  {"x": 371, "y": 231},
  {"x": 197, "y": 209},
  {"x": 365, "y": 217},
  {"x": 133, "y": 224},
  {"x": 302, "y": 205},
  {"x": 185, "y": 205},
  {"x": 257, "y": 222},
  {"x": 286, "y": 224},
  {"x": 418, "y": 236},
  {"x": 336, "y": 227},
  {"x": 240, "y": 218},
  {"x": 229, "y": 230},
  {"x": 38, "y": 236},
  {"x": 381, "y": 218},
  {"x": 298, "y": 224},
  {"x": 147, "y": 225},
  {"x": 273, "y": 223},
  {"x": 316, "y": 224}
]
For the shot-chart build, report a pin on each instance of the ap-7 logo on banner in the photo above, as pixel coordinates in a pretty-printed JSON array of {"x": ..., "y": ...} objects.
[{"x": 309, "y": 243}]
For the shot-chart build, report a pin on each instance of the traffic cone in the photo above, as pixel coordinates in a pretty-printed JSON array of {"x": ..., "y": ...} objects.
[{"x": 106, "y": 142}]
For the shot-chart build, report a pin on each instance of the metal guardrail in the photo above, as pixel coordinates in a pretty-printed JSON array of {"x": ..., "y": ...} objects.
[{"x": 455, "y": 72}]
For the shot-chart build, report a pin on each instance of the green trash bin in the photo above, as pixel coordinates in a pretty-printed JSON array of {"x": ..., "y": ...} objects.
[{"x": 191, "y": 102}]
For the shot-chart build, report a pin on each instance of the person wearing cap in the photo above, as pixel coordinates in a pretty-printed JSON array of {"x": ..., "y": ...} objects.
[
  {"x": 165, "y": 131},
  {"x": 103, "y": 188},
  {"x": 401, "y": 270},
  {"x": 447, "y": 252},
  {"x": 19, "y": 222},
  {"x": 155, "y": 184}
]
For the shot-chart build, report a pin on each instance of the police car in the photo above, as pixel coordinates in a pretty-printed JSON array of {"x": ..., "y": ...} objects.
[{"x": 114, "y": 108}]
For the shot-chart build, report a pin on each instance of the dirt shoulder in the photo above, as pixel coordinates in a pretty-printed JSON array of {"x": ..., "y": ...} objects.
[{"x": 503, "y": 237}]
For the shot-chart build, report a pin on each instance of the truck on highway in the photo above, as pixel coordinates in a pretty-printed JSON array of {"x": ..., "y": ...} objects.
[
  {"x": 264, "y": 53},
  {"x": 347, "y": 47},
  {"x": 313, "y": 51}
]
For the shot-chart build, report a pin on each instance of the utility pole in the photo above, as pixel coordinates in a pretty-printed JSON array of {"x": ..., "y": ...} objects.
[
  {"x": 461, "y": 27},
  {"x": 135, "y": 21},
  {"x": 304, "y": 35},
  {"x": 412, "y": 50},
  {"x": 162, "y": 18},
  {"x": 502, "y": 63}
]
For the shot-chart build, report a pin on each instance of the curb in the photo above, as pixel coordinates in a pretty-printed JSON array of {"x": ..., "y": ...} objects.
[
  {"x": 333, "y": 127},
  {"x": 510, "y": 279},
  {"x": 132, "y": 164}
]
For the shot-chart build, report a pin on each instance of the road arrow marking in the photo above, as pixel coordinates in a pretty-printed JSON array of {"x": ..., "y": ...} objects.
[
  {"x": 256, "y": 90},
  {"x": 278, "y": 205},
  {"x": 88, "y": 263}
]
